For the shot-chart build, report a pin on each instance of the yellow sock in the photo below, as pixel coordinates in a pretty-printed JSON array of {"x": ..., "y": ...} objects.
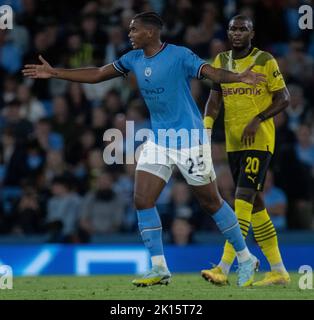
[
  {"x": 243, "y": 212},
  {"x": 266, "y": 236}
]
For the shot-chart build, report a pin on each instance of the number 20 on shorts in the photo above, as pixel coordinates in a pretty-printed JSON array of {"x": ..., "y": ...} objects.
[{"x": 252, "y": 165}]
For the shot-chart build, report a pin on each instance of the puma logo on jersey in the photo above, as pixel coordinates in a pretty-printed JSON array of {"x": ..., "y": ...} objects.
[
  {"x": 252, "y": 179},
  {"x": 241, "y": 91}
]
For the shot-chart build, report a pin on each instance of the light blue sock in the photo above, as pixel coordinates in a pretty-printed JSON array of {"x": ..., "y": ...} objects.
[
  {"x": 227, "y": 223},
  {"x": 150, "y": 227}
]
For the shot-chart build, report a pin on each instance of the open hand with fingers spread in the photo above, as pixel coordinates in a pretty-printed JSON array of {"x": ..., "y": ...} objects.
[
  {"x": 250, "y": 77},
  {"x": 38, "y": 71}
]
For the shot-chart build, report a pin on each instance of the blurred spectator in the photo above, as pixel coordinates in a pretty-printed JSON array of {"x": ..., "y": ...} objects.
[
  {"x": 275, "y": 202},
  {"x": 124, "y": 185},
  {"x": 215, "y": 47},
  {"x": 31, "y": 108},
  {"x": 35, "y": 161},
  {"x": 79, "y": 54},
  {"x": 93, "y": 39},
  {"x": 81, "y": 149},
  {"x": 294, "y": 177},
  {"x": 42, "y": 46},
  {"x": 19, "y": 35},
  {"x": 13, "y": 156},
  {"x": 137, "y": 115},
  {"x": 305, "y": 147},
  {"x": 13, "y": 119},
  {"x": 113, "y": 103},
  {"x": 100, "y": 123},
  {"x": 10, "y": 86},
  {"x": 11, "y": 56},
  {"x": 117, "y": 44},
  {"x": 274, "y": 31},
  {"x": 102, "y": 210},
  {"x": 300, "y": 63},
  {"x": 79, "y": 106},
  {"x": 27, "y": 217},
  {"x": 62, "y": 211},
  {"x": 55, "y": 166},
  {"x": 182, "y": 228},
  {"x": 284, "y": 135},
  {"x": 173, "y": 29},
  {"x": 45, "y": 137},
  {"x": 284, "y": 140},
  {"x": 298, "y": 110},
  {"x": 95, "y": 166},
  {"x": 292, "y": 17},
  {"x": 62, "y": 123}
]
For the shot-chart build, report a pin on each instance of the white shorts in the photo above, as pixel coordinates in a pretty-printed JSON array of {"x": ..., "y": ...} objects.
[{"x": 194, "y": 163}]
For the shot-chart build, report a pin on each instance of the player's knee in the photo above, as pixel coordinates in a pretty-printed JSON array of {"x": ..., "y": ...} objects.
[
  {"x": 211, "y": 205},
  {"x": 258, "y": 204},
  {"x": 245, "y": 194},
  {"x": 142, "y": 202}
]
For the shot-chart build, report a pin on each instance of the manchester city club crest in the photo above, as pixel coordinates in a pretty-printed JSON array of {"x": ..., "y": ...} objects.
[{"x": 148, "y": 71}]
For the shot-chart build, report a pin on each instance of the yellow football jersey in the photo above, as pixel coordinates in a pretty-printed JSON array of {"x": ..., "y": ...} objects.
[{"x": 243, "y": 102}]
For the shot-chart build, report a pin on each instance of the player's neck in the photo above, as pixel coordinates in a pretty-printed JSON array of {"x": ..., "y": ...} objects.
[
  {"x": 153, "y": 48},
  {"x": 241, "y": 53}
]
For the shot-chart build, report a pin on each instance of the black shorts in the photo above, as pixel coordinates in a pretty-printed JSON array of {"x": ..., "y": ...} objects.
[{"x": 249, "y": 168}]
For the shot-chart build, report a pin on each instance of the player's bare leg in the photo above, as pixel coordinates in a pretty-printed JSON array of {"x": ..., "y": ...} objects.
[
  {"x": 146, "y": 191},
  {"x": 212, "y": 203}
]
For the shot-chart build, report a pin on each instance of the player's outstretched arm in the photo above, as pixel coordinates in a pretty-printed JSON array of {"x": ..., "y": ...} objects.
[
  {"x": 223, "y": 76},
  {"x": 87, "y": 75}
]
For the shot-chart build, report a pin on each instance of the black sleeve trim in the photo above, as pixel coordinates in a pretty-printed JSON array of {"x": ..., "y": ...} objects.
[
  {"x": 119, "y": 67},
  {"x": 199, "y": 75}
]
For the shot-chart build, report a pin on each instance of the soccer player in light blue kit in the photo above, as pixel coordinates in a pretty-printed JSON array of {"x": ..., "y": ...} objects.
[{"x": 163, "y": 72}]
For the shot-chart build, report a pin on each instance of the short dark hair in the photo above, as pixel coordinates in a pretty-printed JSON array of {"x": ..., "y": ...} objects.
[
  {"x": 150, "y": 17},
  {"x": 243, "y": 18}
]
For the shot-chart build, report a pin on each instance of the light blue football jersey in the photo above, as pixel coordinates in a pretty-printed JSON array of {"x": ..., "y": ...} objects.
[{"x": 164, "y": 82}]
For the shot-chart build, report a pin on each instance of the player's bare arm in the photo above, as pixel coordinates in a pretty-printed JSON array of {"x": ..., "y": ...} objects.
[
  {"x": 86, "y": 75},
  {"x": 213, "y": 104},
  {"x": 223, "y": 76},
  {"x": 212, "y": 109},
  {"x": 280, "y": 101}
]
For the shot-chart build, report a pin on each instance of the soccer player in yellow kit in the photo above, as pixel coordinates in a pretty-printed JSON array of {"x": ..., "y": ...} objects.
[{"x": 250, "y": 140}]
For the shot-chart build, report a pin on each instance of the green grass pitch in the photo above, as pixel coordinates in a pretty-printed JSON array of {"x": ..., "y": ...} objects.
[{"x": 183, "y": 287}]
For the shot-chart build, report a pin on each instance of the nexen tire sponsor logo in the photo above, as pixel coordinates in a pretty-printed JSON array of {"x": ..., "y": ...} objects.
[{"x": 241, "y": 91}]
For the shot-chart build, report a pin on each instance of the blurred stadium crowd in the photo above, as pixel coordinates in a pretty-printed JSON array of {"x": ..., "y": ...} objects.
[{"x": 53, "y": 179}]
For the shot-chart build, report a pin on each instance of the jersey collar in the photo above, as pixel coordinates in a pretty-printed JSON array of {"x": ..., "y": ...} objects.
[
  {"x": 163, "y": 46},
  {"x": 248, "y": 54}
]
